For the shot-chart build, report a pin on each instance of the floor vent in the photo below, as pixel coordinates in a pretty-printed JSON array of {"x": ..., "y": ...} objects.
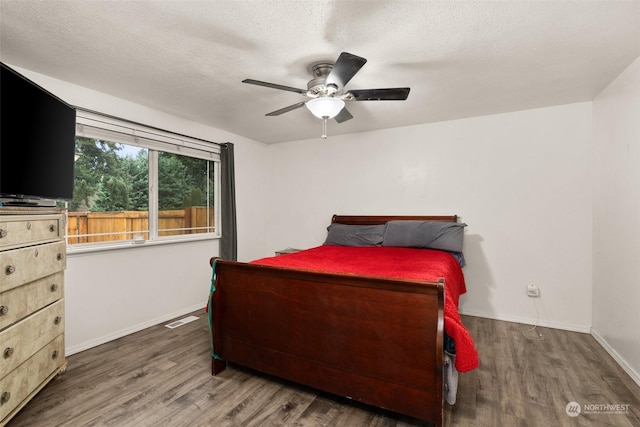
[{"x": 181, "y": 322}]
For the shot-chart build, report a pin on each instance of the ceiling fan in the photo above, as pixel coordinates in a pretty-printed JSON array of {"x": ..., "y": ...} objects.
[{"x": 327, "y": 93}]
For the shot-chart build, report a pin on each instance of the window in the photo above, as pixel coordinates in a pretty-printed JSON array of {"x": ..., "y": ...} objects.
[{"x": 135, "y": 184}]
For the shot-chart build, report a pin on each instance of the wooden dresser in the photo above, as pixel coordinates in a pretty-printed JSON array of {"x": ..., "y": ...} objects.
[{"x": 32, "y": 263}]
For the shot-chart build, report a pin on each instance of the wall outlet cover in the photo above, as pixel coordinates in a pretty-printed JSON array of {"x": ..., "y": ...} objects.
[{"x": 533, "y": 291}]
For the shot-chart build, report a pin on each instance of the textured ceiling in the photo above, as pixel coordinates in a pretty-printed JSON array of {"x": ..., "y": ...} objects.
[{"x": 461, "y": 59}]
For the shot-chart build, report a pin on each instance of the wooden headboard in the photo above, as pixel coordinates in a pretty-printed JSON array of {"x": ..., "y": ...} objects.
[{"x": 381, "y": 219}]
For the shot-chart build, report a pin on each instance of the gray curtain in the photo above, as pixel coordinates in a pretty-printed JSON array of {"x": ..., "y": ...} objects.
[{"x": 229, "y": 240}]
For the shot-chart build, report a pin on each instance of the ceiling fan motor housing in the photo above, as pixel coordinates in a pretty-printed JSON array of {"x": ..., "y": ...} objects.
[{"x": 316, "y": 86}]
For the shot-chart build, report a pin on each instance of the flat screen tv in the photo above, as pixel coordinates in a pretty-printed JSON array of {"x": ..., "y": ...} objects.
[{"x": 37, "y": 143}]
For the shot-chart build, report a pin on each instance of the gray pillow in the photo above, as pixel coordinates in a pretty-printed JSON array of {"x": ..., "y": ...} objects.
[
  {"x": 459, "y": 256},
  {"x": 446, "y": 236},
  {"x": 355, "y": 235}
]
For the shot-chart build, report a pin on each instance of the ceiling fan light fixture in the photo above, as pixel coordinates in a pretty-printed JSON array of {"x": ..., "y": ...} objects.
[{"x": 326, "y": 107}]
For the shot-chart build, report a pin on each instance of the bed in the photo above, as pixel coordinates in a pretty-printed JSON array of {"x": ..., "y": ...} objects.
[{"x": 372, "y": 331}]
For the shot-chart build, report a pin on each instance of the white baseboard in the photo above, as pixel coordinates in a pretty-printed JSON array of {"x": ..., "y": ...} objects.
[
  {"x": 136, "y": 328},
  {"x": 623, "y": 363},
  {"x": 528, "y": 321}
]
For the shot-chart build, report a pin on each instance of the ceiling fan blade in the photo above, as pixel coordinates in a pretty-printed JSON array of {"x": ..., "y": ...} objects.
[
  {"x": 286, "y": 109},
  {"x": 274, "y": 86},
  {"x": 344, "y": 69},
  {"x": 343, "y": 115},
  {"x": 388, "y": 94}
]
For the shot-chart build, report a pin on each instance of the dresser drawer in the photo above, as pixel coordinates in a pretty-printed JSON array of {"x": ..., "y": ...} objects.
[
  {"x": 20, "y": 230},
  {"x": 21, "y": 301},
  {"x": 23, "y": 339},
  {"x": 21, "y": 266},
  {"x": 30, "y": 377}
]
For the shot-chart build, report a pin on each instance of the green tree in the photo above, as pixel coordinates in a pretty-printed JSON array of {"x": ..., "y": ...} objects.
[
  {"x": 174, "y": 181},
  {"x": 95, "y": 160},
  {"x": 107, "y": 179},
  {"x": 137, "y": 169},
  {"x": 113, "y": 195},
  {"x": 201, "y": 179},
  {"x": 193, "y": 199}
]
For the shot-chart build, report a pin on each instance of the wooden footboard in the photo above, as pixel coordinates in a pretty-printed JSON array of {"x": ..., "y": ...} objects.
[{"x": 374, "y": 340}]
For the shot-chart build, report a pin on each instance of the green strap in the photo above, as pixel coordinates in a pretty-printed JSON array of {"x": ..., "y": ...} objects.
[{"x": 213, "y": 289}]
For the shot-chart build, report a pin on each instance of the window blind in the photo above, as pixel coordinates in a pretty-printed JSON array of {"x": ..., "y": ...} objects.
[{"x": 95, "y": 125}]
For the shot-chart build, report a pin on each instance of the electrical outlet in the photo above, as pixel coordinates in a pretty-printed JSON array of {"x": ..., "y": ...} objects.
[{"x": 533, "y": 291}]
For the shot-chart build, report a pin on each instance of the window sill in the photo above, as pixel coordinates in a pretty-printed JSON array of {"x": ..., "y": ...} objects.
[{"x": 130, "y": 244}]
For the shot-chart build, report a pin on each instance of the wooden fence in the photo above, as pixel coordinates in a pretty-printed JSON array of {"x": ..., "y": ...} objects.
[{"x": 90, "y": 227}]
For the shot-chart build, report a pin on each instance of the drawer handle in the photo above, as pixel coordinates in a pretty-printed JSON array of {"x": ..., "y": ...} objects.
[
  {"x": 52, "y": 228},
  {"x": 59, "y": 257},
  {"x": 3, "y": 309},
  {"x": 3, "y": 233},
  {"x": 54, "y": 287},
  {"x": 57, "y": 320},
  {"x": 29, "y": 226},
  {"x": 5, "y": 396},
  {"x": 9, "y": 270},
  {"x": 55, "y": 354},
  {"x": 8, "y": 352}
]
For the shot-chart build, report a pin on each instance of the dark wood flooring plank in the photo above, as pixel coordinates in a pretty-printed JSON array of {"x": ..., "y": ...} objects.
[{"x": 161, "y": 376}]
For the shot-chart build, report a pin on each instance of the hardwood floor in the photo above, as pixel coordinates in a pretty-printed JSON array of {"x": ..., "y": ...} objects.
[{"x": 161, "y": 377}]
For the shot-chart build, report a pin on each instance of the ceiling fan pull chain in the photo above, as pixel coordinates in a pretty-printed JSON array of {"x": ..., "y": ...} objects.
[{"x": 324, "y": 127}]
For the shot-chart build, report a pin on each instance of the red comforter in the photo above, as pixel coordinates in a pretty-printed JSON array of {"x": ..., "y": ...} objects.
[{"x": 395, "y": 262}]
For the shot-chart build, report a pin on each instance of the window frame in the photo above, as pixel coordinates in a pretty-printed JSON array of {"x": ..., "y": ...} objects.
[{"x": 91, "y": 124}]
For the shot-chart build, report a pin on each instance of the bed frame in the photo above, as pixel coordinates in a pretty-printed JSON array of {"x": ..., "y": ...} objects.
[{"x": 374, "y": 340}]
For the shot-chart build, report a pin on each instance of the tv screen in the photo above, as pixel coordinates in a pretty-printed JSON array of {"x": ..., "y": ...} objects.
[{"x": 37, "y": 142}]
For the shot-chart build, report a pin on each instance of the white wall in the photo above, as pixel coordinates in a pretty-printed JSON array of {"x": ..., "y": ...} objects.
[
  {"x": 616, "y": 211},
  {"x": 112, "y": 293},
  {"x": 521, "y": 181}
]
